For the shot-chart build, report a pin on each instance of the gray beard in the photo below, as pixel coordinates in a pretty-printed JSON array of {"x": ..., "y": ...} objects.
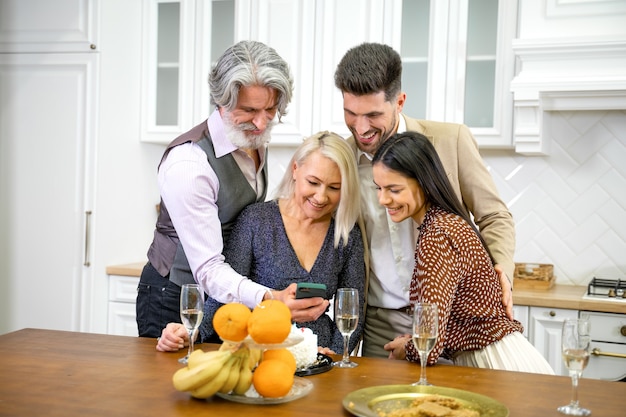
[{"x": 237, "y": 135}]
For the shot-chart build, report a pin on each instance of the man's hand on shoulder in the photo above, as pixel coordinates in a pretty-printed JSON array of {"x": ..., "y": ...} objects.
[{"x": 507, "y": 291}]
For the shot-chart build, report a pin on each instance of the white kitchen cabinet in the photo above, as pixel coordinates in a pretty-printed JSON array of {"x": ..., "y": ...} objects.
[
  {"x": 48, "y": 84},
  {"x": 458, "y": 64},
  {"x": 312, "y": 36},
  {"x": 181, "y": 39},
  {"x": 457, "y": 57},
  {"x": 48, "y": 26},
  {"x": 608, "y": 346},
  {"x": 520, "y": 313},
  {"x": 122, "y": 300},
  {"x": 545, "y": 334}
]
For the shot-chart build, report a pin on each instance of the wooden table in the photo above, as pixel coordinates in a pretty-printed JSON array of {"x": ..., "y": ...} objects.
[{"x": 53, "y": 373}]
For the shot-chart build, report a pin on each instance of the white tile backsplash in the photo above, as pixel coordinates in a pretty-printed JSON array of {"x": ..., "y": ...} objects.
[{"x": 570, "y": 206}]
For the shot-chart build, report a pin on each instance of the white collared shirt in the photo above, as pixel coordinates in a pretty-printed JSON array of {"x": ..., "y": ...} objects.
[{"x": 392, "y": 245}]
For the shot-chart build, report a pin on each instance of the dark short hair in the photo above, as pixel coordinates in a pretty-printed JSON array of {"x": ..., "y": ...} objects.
[{"x": 368, "y": 69}]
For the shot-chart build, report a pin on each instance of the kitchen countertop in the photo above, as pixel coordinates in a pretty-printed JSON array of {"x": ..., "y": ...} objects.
[
  {"x": 559, "y": 296},
  {"x": 69, "y": 374},
  {"x": 565, "y": 296},
  {"x": 128, "y": 270}
]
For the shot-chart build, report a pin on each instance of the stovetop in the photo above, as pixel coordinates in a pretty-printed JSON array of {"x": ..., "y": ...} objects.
[{"x": 606, "y": 289}]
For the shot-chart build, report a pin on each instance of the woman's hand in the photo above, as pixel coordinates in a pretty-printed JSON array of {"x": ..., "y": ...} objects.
[
  {"x": 304, "y": 309},
  {"x": 173, "y": 338},
  {"x": 396, "y": 347}
]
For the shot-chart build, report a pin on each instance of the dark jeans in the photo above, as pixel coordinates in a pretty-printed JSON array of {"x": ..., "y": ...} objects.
[{"x": 158, "y": 302}]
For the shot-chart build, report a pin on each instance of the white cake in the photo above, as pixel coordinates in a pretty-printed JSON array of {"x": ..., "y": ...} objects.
[{"x": 305, "y": 352}]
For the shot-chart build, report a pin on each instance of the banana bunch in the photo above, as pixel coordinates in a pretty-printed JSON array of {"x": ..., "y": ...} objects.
[{"x": 226, "y": 370}]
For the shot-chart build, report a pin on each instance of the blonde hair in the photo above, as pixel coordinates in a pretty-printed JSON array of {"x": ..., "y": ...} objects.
[{"x": 335, "y": 148}]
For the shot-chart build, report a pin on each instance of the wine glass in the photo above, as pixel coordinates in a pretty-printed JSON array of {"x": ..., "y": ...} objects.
[
  {"x": 191, "y": 312},
  {"x": 346, "y": 318},
  {"x": 425, "y": 327},
  {"x": 575, "y": 344}
]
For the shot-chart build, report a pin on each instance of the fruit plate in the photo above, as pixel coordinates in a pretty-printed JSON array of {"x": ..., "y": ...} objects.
[
  {"x": 383, "y": 399},
  {"x": 322, "y": 364},
  {"x": 293, "y": 339},
  {"x": 300, "y": 388}
]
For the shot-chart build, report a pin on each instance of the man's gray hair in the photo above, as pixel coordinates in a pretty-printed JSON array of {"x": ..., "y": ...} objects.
[{"x": 250, "y": 63}]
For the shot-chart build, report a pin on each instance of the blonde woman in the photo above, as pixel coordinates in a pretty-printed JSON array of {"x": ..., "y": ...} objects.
[{"x": 308, "y": 233}]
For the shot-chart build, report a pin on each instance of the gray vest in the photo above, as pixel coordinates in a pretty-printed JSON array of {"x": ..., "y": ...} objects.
[{"x": 166, "y": 253}]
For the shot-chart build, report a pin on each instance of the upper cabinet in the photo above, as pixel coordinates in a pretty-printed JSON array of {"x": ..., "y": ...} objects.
[
  {"x": 458, "y": 64},
  {"x": 181, "y": 40},
  {"x": 312, "y": 36},
  {"x": 457, "y": 59},
  {"x": 457, "y": 56},
  {"x": 55, "y": 26}
]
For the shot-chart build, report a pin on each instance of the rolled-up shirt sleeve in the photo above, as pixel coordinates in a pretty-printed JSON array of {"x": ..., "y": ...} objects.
[{"x": 189, "y": 189}]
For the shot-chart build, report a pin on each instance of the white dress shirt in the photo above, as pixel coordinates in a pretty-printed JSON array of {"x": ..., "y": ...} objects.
[
  {"x": 392, "y": 245},
  {"x": 189, "y": 188}
]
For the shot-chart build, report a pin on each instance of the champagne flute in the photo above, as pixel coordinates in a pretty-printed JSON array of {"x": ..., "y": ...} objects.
[
  {"x": 191, "y": 312},
  {"x": 346, "y": 318},
  {"x": 425, "y": 327},
  {"x": 575, "y": 345}
]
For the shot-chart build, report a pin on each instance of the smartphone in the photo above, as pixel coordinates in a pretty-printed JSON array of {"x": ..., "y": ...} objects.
[{"x": 309, "y": 289}]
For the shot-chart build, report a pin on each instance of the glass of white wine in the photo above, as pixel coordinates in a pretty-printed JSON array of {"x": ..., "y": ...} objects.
[
  {"x": 346, "y": 318},
  {"x": 425, "y": 329},
  {"x": 191, "y": 312},
  {"x": 575, "y": 344}
]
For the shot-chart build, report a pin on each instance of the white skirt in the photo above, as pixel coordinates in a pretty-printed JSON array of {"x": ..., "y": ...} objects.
[{"x": 513, "y": 353}]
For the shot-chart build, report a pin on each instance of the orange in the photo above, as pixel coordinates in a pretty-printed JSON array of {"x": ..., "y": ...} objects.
[
  {"x": 270, "y": 322},
  {"x": 230, "y": 322},
  {"x": 283, "y": 355},
  {"x": 272, "y": 378}
]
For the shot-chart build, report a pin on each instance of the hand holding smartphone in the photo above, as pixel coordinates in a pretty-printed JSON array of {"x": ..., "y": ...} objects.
[{"x": 310, "y": 289}]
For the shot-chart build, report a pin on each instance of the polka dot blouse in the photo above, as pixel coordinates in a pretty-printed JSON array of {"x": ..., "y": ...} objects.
[{"x": 454, "y": 271}]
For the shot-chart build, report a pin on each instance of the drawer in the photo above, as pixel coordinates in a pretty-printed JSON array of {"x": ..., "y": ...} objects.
[
  {"x": 123, "y": 289},
  {"x": 122, "y": 319},
  {"x": 607, "y": 327}
]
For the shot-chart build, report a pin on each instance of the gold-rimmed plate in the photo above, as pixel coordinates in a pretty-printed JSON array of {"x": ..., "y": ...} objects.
[{"x": 378, "y": 400}]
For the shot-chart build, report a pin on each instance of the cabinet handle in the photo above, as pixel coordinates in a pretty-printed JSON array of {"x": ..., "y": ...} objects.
[
  {"x": 622, "y": 330},
  {"x": 87, "y": 227},
  {"x": 552, "y": 313},
  {"x": 598, "y": 352}
]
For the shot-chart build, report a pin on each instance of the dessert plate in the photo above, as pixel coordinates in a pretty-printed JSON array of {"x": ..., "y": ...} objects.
[{"x": 323, "y": 363}]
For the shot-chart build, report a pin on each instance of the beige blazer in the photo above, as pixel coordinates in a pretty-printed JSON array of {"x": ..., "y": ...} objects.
[{"x": 472, "y": 183}]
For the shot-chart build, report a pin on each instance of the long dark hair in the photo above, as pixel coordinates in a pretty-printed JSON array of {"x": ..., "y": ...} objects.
[{"x": 412, "y": 155}]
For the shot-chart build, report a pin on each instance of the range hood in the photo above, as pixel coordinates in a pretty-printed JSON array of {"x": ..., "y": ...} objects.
[{"x": 568, "y": 75}]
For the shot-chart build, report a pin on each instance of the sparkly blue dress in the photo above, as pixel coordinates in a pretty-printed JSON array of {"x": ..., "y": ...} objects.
[{"x": 260, "y": 249}]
